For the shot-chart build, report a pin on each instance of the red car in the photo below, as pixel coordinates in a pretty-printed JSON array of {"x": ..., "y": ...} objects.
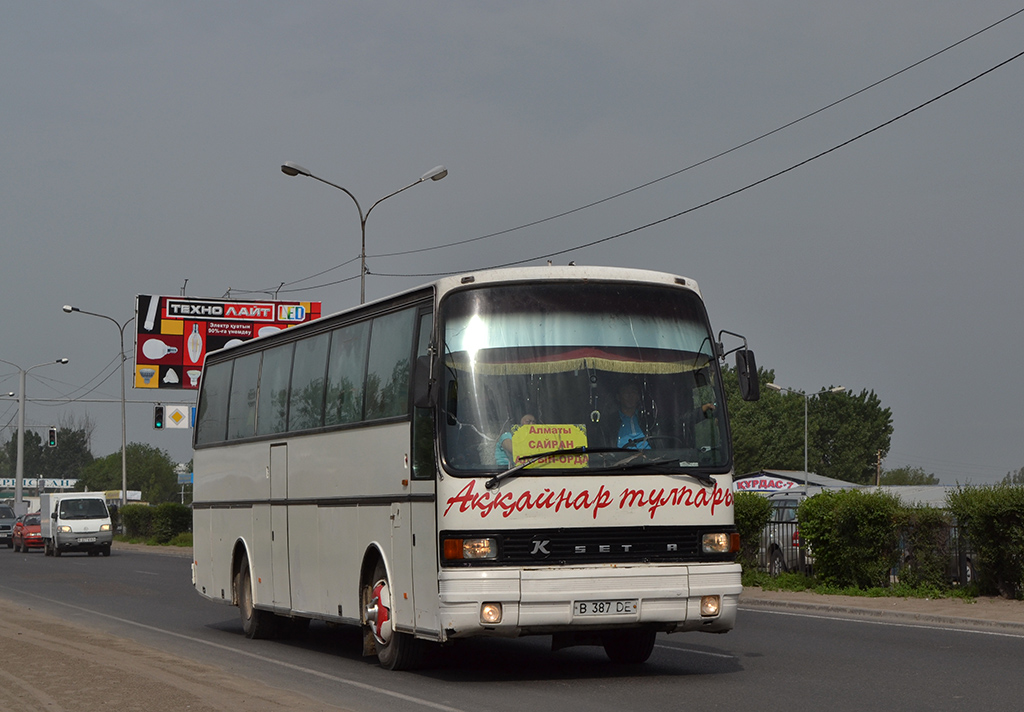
[{"x": 26, "y": 533}]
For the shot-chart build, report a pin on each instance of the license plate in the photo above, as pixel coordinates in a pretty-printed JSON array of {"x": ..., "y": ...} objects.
[
  {"x": 620, "y": 607},
  {"x": 86, "y": 539}
]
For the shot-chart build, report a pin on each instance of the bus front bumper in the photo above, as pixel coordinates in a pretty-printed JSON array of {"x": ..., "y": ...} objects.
[{"x": 513, "y": 602}]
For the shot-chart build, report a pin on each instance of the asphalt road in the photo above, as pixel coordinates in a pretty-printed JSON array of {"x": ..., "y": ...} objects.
[{"x": 776, "y": 659}]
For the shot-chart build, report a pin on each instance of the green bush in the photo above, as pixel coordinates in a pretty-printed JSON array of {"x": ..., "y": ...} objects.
[
  {"x": 926, "y": 547},
  {"x": 992, "y": 518},
  {"x": 752, "y": 514},
  {"x": 852, "y": 536},
  {"x": 160, "y": 523},
  {"x": 169, "y": 520},
  {"x": 137, "y": 520}
]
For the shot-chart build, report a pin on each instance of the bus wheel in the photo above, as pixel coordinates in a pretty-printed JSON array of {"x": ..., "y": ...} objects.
[
  {"x": 629, "y": 647},
  {"x": 395, "y": 651},
  {"x": 257, "y": 624}
]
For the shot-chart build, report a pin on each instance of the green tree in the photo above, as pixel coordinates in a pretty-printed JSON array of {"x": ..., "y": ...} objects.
[
  {"x": 32, "y": 453},
  {"x": 68, "y": 459},
  {"x": 845, "y": 431},
  {"x": 1014, "y": 478},
  {"x": 908, "y": 476},
  {"x": 149, "y": 470}
]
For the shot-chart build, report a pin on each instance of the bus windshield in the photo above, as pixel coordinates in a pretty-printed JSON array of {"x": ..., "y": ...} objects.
[{"x": 621, "y": 375}]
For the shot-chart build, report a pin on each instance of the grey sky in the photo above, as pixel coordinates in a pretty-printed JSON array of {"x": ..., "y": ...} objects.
[{"x": 142, "y": 144}]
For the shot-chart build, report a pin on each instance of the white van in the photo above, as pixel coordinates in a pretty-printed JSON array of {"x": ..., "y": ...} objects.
[{"x": 75, "y": 521}]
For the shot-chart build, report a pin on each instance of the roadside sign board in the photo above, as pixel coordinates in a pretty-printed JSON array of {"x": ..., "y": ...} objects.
[{"x": 173, "y": 334}]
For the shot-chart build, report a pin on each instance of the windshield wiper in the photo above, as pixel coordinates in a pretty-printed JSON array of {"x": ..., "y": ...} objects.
[
  {"x": 702, "y": 478},
  {"x": 498, "y": 479}
]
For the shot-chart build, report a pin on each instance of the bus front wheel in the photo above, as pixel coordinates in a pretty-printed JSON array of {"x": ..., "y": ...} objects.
[
  {"x": 257, "y": 624},
  {"x": 629, "y": 647},
  {"x": 395, "y": 650}
]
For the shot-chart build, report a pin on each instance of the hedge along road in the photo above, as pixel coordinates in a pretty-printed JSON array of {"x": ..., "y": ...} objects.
[{"x": 140, "y": 638}]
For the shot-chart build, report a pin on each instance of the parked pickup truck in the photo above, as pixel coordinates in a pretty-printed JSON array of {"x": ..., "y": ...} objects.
[{"x": 75, "y": 521}]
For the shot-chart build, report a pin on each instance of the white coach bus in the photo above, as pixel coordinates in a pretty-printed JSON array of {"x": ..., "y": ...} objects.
[{"x": 510, "y": 452}]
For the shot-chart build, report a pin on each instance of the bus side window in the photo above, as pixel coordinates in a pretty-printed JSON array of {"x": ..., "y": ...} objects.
[{"x": 388, "y": 367}]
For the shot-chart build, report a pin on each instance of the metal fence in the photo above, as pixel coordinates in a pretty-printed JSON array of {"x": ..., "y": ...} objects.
[{"x": 783, "y": 550}]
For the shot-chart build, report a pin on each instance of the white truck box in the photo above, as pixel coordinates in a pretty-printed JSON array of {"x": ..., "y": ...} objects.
[{"x": 75, "y": 521}]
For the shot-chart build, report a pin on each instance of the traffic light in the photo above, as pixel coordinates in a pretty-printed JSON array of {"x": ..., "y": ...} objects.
[
  {"x": 53, "y": 437},
  {"x": 158, "y": 417}
]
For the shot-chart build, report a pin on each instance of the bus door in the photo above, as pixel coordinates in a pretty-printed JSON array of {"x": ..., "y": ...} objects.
[
  {"x": 414, "y": 560},
  {"x": 279, "y": 525}
]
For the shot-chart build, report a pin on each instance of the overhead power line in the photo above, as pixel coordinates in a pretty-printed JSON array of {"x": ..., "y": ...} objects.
[
  {"x": 638, "y": 187},
  {"x": 726, "y": 195}
]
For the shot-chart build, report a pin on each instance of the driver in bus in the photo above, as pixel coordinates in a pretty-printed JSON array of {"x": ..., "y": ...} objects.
[
  {"x": 503, "y": 448},
  {"x": 630, "y": 434}
]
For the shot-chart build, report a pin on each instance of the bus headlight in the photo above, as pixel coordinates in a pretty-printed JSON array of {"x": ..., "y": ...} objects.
[
  {"x": 470, "y": 549},
  {"x": 719, "y": 543}
]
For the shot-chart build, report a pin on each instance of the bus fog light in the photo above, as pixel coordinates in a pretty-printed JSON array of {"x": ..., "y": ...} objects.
[
  {"x": 490, "y": 614},
  {"x": 710, "y": 605}
]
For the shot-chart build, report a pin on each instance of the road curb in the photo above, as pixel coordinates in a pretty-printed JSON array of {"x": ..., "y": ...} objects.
[{"x": 909, "y": 617}]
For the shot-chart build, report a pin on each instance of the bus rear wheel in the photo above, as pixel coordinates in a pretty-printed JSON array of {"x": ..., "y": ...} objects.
[
  {"x": 257, "y": 624},
  {"x": 395, "y": 650}
]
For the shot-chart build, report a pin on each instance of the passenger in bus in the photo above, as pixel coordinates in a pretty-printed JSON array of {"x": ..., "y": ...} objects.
[
  {"x": 630, "y": 434},
  {"x": 503, "y": 448}
]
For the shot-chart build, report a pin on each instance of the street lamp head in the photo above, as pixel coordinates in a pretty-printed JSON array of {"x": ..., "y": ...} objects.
[
  {"x": 837, "y": 389},
  {"x": 294, "y": 169},
  {"x": 773, "y": 386},
  {"x": 62, "y": 360},
  {"x": 68, "y": 308},
  {"x": 436, "y": 173}
]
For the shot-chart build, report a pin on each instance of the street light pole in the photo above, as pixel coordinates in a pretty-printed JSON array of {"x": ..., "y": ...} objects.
[
  {"x": 124, "y": 445},
  {"x": 294, "y": 169},
  {"x": 807, "y": 397},
  {"x": 19, "y": 475}
]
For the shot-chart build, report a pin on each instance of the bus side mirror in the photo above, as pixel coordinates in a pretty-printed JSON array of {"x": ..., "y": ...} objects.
[
  {"x": 746, "y": 370},
  {"x": 422, "y": 393}
]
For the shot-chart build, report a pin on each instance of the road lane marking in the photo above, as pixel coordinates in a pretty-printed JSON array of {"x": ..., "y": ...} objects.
[
  {"x": 894, "y": 624},
  {"x": 254, "y": 656}
]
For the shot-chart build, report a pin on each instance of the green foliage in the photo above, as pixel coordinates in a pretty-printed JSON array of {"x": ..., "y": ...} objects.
[
  {"x": 69, "y": 458},
  {"x": 1014, "y": 478},
  {"x": 149, "y": 470},
  {"x": 160, "y": 524},
  {"x": 993, "y": 520},
  {"x": 853, "y": 536},
  {"x": 927, "y": 550},
  {"x": 908, "y": 476},
  {"x": 752, "y": 514},
  {"x": 32, "y": 453},
  {"x": 137, "y": 520},
  {"x": 169, "y": 520},
  {"x": 183, "y": 540},
  {"x": 845, "y": 431},
  {"x": 66, "y": 460}
]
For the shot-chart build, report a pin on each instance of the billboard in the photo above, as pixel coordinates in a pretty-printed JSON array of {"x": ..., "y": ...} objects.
[{"x": 173, "y": 334}]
